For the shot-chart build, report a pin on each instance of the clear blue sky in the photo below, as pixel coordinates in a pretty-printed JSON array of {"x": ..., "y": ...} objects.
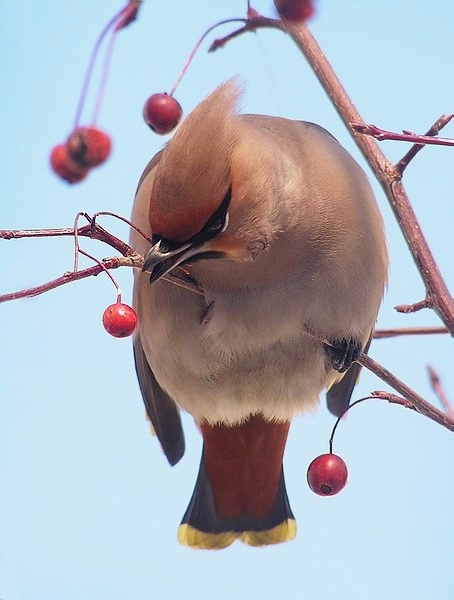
[{"x": 89, "y": 507}]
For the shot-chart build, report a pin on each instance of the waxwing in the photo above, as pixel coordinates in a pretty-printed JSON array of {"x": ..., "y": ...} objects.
[{"x": 276, "y": 230}]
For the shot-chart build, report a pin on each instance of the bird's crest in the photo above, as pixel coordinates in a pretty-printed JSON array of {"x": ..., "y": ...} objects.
[{"x": 193, "y": 174}]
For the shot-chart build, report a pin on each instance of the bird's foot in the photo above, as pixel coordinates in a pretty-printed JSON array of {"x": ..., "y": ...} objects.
[{"x": 343, "y": 353}]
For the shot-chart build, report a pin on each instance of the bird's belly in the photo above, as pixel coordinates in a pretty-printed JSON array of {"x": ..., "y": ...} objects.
[{"x": 224, "y": 364}]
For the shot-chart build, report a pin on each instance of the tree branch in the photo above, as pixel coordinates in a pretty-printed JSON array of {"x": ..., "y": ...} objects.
[
  {"x": 434, "y": 130},
  {"x": 129, "y": 258},
  {"x": 420, "y": 405},
  {"x": 387, "y": 333},
  {"x": 387, "y": 174},
  {"x": 406, "y": 136},
  {"x": 71, "y": 276}
]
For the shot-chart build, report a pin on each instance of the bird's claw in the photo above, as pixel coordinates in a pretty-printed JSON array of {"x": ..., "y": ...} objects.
[{"x": 343, "y": 353}]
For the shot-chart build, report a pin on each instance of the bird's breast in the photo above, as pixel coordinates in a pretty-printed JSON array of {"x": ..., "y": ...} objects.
[{"x": 232, "y": 354}]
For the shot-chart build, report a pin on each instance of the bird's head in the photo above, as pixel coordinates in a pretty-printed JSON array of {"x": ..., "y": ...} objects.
[{"x": 196, "y": 202}]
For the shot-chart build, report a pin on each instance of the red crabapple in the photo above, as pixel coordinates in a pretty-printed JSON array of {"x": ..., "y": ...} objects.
[
  {"x": 327, "y": 474},
  {"x": 162, "y": 113},
  {"x": 120, "y": 320},
  {"x": 294, "y": 10},
  {"x": 65, "y": 167},
  {"x": 89, "y": 146}
]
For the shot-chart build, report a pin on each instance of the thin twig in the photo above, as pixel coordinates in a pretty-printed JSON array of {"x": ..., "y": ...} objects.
[
  {"x": 71, "y": 276},
  {"x": 434, "y": 130},
  {"x": 254, "y": 22},
  {"x": 94, "y": 231},
  {"x": 421, "y": 405},
  {"x": 439, "y": 391},
  {"x": 412, "y": 308},
  {"x": 387, "y": 333},
  {"x": 383, "y": 135}
]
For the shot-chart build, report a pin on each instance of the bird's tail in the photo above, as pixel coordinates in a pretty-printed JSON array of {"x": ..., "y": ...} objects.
[{"x": 240, "y": 490}]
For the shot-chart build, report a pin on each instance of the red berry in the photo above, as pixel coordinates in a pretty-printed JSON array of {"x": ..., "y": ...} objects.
[
  {"x": 327, "y": 474},
  {"x": 162, "y": 113},
  {"x": 89, "y": 146},
  {"x": 65, "y": 167},
  {"x": 120, "y": 320},
  {"x": 295, "y": 10}
]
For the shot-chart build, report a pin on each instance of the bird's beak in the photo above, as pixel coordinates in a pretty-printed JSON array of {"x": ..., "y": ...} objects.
[{"x": 160, "y": 260}]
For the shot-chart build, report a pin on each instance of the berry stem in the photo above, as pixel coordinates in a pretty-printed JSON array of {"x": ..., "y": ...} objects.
[
  {"x": 391, "y": 398},
  {"x": 104, "y": 75},
  {"x": 197, "y": 46},
  {"x": 76, "y": 240},
  {"x": 105, "y": 269},
  {"x": 91, "y": 64},
  {"x": 120, "y": 218},
  {"x": 338, "y": 420},
  {"x": 78, "y": 250}
]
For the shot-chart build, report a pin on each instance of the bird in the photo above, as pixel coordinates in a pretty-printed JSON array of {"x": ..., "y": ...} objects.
[{"x": 265, "y": 264}]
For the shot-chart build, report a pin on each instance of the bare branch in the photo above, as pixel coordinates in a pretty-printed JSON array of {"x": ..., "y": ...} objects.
[
  {"x": 412, "y": 308},
  {"x": 183, "y": 279},
  {"x": 70, "y": 276},
  {"x": 434, "y": 130},
  {"x": 386, "y": 173},
  {"x": 421, "y": 405},
  {"x": 383, "y": 134},
  {"x": 435, "y": 382},
  {"x": 388, "y": 176},
  {"x": 387, "y": 333},
  {"x": 419, "y": 141},
  {"x": 130, "y": 257},
  {"x": 255, "y": 21}
]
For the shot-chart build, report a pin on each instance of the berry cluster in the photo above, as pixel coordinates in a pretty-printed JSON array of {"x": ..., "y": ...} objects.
[
  {"x": 89, "y": 147},
  {"x": 85, "y": 148}
]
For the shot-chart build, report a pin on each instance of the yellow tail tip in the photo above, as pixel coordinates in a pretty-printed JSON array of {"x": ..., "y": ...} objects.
[
  {"x": 284, "y": 532},
  {"x": 194, "y": 538}
]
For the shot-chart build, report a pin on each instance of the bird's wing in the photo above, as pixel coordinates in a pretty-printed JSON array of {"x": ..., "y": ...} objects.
[
  {"x": 338, "y": 396},
  {"x": 162, "y": 410},
  {"x": 153, "y": 162}
]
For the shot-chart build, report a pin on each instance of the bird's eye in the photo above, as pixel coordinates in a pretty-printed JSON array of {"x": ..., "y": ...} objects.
[
  {"x": 218, "y": 226},
  {"x": 217, "y": 223}
]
